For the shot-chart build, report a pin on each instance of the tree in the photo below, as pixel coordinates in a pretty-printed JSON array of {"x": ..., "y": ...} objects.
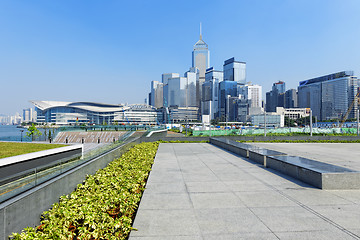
[
  {"x": 289, "y": 122},
  {"x": 33, "y": 132}
]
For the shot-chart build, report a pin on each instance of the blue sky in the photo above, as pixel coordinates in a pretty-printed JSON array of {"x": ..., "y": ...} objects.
[{"x": 109, "y": 51}]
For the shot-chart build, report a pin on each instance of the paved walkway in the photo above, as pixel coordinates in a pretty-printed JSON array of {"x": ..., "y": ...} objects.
[{"x": 199, "y": 191}]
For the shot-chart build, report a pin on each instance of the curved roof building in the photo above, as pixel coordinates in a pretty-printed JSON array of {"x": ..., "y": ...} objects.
[{"x": 93, "y": 113}]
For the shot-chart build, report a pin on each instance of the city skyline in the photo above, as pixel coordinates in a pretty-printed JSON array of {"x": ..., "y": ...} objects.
[{"x": 87, "y": 51}]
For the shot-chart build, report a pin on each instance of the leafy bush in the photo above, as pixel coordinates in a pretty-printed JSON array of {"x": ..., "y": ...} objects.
[{"x": 104, "y": 205}]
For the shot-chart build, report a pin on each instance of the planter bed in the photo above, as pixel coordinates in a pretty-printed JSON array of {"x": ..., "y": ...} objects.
[{"x": 104, "y": 205}]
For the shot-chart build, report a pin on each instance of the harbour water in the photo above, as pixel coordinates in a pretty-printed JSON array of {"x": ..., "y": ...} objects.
[{"x": 13, "y": 133}]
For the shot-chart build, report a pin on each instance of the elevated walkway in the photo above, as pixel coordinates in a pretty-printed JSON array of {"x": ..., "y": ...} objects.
[{"x": 200, "y": 191}]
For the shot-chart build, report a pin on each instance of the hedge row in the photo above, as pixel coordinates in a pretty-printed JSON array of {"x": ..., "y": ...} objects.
[{"x": 104, "y": 205}]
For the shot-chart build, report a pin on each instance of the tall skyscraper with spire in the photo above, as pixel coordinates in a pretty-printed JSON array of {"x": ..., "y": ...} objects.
[{"x": 201, "y": 61}]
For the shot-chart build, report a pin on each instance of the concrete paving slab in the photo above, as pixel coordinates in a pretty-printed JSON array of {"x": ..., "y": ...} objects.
[
  {"x": 239, "y": 236},
  {"x": 170, "y": 222},
  {"x": 318, "y": 235},
  {"x": 311, "y": 197},
  {"x": 229, "y": 220},
  {"x": 348, "y": 216},
  {"x": 215, "y": 200},
  {"x": 290, "y": 219},
  {"x": 166, "y": 201},
  {"x": 264, "y": 199},
  {"x": 206, "y": 187},
  {"x": 167, "y": 187},
  {"x": 190, "y": 195}
]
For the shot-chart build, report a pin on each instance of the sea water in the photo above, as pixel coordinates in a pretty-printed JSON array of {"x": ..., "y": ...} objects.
[{"x": 13, "y": 133}]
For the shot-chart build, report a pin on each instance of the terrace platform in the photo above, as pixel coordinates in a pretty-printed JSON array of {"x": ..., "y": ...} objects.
[{"x": 200, "y": 191}]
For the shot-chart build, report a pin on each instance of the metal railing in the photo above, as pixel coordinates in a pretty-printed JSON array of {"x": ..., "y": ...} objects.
[{"x": 25, "y": 180}]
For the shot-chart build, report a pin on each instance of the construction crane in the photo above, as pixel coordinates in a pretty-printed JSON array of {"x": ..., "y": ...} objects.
[{"x": 349, "y": 109}]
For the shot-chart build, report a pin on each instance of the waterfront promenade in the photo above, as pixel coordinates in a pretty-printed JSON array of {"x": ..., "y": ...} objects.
[{"x": 199, "y": 191}]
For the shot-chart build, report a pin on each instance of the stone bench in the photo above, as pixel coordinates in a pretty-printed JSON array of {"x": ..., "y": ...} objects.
[{"x": 318, "y": 174}]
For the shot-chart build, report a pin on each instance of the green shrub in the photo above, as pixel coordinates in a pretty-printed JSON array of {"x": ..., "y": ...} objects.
[{"x": 104, "y": 205}]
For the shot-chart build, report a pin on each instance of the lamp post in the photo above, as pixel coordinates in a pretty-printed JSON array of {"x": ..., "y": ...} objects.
[
  {"x": 21, "y": 135},
  {"x": 310, "y": 122},
  {"x": 264, "y": 123},
  {"x": 186, "y": 130},
  {"x": 357, "y": 120}
]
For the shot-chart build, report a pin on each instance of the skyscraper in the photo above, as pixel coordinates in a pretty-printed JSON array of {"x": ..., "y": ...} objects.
[
  {"x": 210, "y": 91},
  {"x": 201, "y": 61},
  {"x": 276, "y": 97},
  {"x": 235, "y": 71},
  {"x": 330, "y": 96},
  {"x": 156, "y": 98}
]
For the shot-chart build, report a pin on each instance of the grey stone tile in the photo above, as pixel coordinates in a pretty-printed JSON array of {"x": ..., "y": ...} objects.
[
  {"x": 200, "y": 177},
  {"x": 237, "y": 236},
  {"x": 264, "y": 199},
  {"x": 161, "y": 177},
  {"x": 165, "y": 201},
  {"x": 350, "y": 195},
  {"x": 319, "y": 235},
  {"x": 233, "y": 176},
  {"x": 250, "y": 185},
  {"x": 229, "y": 220},
  {"x": 315, "y": 197},
  {"x": 165, "y": 223},
  {"x": 203, "y": 187},
  {"x": 168, "y": 238},
  {"x": 347, "y": 216},
  {"x": 289, "y": 219},
  {"x": 168, "y": 187},
  {"x": 215, "y": 200}
]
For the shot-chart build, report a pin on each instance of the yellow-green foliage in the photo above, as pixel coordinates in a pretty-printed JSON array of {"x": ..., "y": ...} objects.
[
  {"x": 9, "y": 149},
  {"x": 103, "y": 207}
]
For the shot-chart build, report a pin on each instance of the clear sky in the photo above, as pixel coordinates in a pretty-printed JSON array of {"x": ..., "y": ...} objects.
[{"x": 110, "y": 51}]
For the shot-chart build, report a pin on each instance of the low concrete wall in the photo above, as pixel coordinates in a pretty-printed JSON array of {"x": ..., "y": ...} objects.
[
  {"x": 14, "y": 165},
  {"x": 318, "y": 174},
  {"x": 25, "y": 209}
]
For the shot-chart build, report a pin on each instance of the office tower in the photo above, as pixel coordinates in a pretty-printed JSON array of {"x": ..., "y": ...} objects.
[
  {"x": 28, "y": 115},
  {"x": 201, "y": 61},
  {"x": 156, "y": 94},
  {"x": 210, "y": 90},
  {"x": 181, "y": 91},
  {"x": 227, "y": 89},
  {"x": 235, "y": 71},
  {"x": 329, "y": 96},
  {"x": 191, "y": 78},
  {"x": 253, "y": 93},
  {"x": 279, "y": 87},
  {"x": 165, "y": 78},
  {"x": 276, "y": 97},
  {"x": 291, "y": 98}
]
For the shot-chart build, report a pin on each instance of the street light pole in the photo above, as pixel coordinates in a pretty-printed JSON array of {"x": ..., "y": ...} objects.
[
  {"x": 21, "y": 135},
  {"x": 357, "y": 120},
  {"x": 264, "y": 123},
  {"x": 310, "y": 122}
]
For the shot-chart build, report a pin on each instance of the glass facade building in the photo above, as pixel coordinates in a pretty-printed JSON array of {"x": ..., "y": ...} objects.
[
  {"x": 235, "y": 71},
  {"x": 94, "y": 113},
  {"x": 210, "y": 98},
  {"x": 330, "y": 96},
  {"x": 227, "y": 89},
  {"x": 200, "y": 61}
]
